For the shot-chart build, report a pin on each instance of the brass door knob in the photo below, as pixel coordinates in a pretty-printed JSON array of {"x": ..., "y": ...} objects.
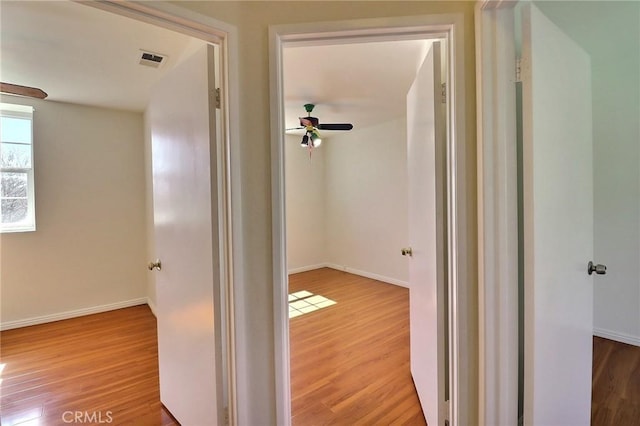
[
  {"x": 407, "y": 252},
  {"x": 155, "y": 265}
]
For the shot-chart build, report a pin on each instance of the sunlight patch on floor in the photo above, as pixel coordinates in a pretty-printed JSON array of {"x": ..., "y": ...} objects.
[{"x": 303, "y": 302}]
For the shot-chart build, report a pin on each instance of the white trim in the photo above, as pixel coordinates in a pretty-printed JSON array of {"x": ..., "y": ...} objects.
[
  {"x": 343, "y": 268},
  {"x": 617, "y": 336},
  {"x": 18, "y": 109},
  {"x": 497, "y": 214},
  {"x": 169, "y": 16},
  {"x": 279, "y": 243},
  {"x": 24, "y": 112},
  {"x": 8, "y": 325},
  {"x": 152, "y": 306},
  {"x": 377, "y": 277},
  {"x": 462, "y": 338},
  {"x": 225, "y": 35},
  {"x": 308, "y": 268}
]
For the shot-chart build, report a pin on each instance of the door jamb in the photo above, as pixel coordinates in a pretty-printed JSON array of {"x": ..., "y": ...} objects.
[
  {"x": 497, "y": 212},
  {"x": 224, "y": 35},
  {"x": 451, "y": 27}
]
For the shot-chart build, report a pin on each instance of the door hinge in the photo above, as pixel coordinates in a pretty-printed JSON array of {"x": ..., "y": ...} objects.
[
  {"x": 218, "y": 101},
  {"x": 443, "y": 92},
  {"x": 518, "y": 70}
]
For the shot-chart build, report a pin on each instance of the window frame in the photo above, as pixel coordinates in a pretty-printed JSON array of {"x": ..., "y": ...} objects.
[{"x": 29, "y": 224}]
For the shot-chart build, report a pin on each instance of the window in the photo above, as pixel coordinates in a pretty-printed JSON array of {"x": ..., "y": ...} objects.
[{"x": 17, "y": 201}]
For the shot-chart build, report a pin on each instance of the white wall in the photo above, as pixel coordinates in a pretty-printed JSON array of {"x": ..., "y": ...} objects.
[
  {"x": 610, "y": 32},
  {"x": 89, "y": 247},
  {"x": 347, "y": 205},
  {"x": 306, "y": 206},
  {"x": 366, "y": 172}
]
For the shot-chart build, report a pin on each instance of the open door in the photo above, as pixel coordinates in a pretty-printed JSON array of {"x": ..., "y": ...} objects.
[
  {"x": 181, "y": 115},
  {"x": 426, "y": 142},
  {"x": 558, "y": 224}
]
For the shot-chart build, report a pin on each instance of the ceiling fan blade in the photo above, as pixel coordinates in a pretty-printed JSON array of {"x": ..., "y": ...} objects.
[
  {"x": 14, "y": 89},
  {"x": 335, "y": 126}
]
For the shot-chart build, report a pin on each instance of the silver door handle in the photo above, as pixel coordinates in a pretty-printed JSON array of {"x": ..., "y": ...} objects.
[
  {"x": 598, "y": 269},
  {"x": 155, "y": 265}
]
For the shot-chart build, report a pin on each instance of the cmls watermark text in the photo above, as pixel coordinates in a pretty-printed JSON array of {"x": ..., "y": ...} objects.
[{"x": 92, "y": 417}]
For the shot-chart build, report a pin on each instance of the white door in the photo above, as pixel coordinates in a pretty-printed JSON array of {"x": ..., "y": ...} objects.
[
  {"x": 558, "y": 223},
  {"x": 181, "y": 115},
  {"x": 426, "y": 142}
]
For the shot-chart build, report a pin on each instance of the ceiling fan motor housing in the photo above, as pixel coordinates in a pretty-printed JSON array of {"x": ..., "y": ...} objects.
[{"x": 313, "y": 120}]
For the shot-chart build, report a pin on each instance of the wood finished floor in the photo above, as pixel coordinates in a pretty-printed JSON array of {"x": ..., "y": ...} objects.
[
  {"x": 616, "y": 384},
  {"x": 105, "y": 364},
  {"x": 349, "y": 364},
  {"x": 350, "y": 361}
]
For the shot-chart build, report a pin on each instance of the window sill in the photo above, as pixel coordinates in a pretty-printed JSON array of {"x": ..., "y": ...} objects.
[{"x": 15, "y": 229}]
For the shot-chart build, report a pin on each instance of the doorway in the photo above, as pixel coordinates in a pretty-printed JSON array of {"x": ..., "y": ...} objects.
[
  {"x": 347, "y": 218},
  {"x": 615, "y": 195},
  {"x": 107, "y": 146},
  {"x": 209, "y": 119},
  {"x": 402, "y": 29}
]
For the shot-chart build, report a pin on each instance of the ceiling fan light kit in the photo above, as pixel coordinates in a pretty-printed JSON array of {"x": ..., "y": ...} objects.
[
  {"x": 311, "y": 138},
  {"x": 315, "y": 138}
]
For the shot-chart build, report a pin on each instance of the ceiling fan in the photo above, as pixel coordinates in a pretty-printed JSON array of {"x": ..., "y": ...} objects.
[
  {"x": 311, "y": 125},
  {"x": 14, "y": 89}
]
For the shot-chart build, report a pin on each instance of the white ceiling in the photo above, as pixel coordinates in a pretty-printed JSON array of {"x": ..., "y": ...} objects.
[
  {"x": 80, "y": 54},
  {"x": 362, "y": 84},
  {"x": 83, "y": 55}
]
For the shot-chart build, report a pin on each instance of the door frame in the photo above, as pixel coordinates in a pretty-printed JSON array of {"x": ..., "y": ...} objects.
[
  {"x": 462, "y": 340},
  {"x": 497, "y": 212},
  {"x": 227, "y": 154}
]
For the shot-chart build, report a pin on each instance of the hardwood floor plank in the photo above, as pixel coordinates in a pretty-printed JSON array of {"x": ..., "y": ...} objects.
[
  {"x": 616, "y": 384},
  {"x": 104, "y": 364},
  {"x": 349, "y": 364},
  {"x": 350, "y": 361}
]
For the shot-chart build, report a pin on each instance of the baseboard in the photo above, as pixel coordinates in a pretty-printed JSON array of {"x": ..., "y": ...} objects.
[
  {"x": 8, "y": 325},
  {"x": 307, "y": 268},
  {"x": 353, "y": 271},
  {"x": 371, "y": 275},
  {"x": 152, "y": 306},
  {"x": 618, "y": 337}
]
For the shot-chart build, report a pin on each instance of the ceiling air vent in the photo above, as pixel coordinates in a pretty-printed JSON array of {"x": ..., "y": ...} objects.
[{"x": 153, "y": 60}]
